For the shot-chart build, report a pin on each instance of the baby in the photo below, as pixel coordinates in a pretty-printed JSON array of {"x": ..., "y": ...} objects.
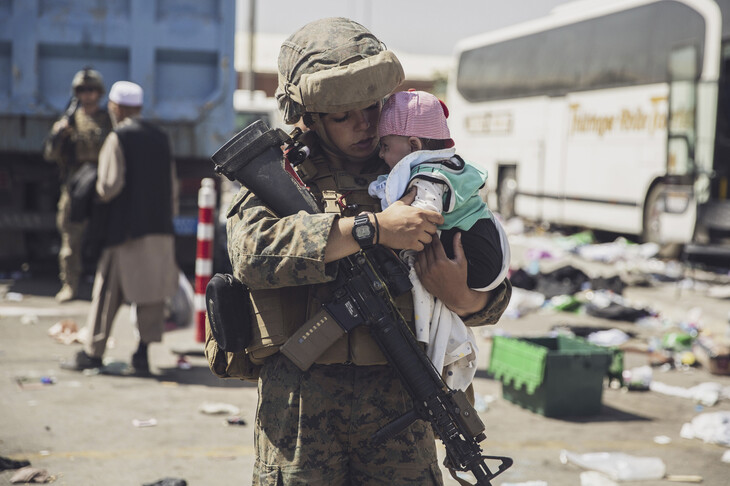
[{"x": 416, "y": 144}]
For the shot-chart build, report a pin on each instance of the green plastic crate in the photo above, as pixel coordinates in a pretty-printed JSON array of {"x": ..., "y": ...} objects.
[{"x": 553, "y": 376}]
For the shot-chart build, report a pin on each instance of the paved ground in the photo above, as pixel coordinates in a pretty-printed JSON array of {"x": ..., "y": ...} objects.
[{"x": 80, "y": 427}]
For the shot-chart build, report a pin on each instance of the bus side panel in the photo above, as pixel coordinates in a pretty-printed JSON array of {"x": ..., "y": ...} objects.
[
  {"x": 527, "y": 149},
  {"x": 553, "y": 204},
  {"x": 616, "y": 147},
  {"x": 506, "y": 134}
]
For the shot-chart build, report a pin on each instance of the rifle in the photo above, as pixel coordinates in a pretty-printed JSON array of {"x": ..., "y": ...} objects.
[
  {"x": 61, "y": 143},
  {"x": 364, "y": 289},
  {"x": 71, "y": 107}
]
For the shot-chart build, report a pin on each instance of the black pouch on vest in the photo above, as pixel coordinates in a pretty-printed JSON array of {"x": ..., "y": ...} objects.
[{"x": 229, "y": 312}]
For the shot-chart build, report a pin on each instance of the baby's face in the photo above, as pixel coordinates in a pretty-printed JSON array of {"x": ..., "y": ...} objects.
[{"x": 393, "y": 148}]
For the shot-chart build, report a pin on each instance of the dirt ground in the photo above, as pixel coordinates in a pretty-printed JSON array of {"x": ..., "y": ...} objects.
[{"x": 80, "y": 427}]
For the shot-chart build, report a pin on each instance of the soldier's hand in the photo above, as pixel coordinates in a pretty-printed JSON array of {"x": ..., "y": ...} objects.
[
  {"x": 445, "y": 278},
  {"x": 405, "y": 227},
  {"x": 61, "y": 126}
]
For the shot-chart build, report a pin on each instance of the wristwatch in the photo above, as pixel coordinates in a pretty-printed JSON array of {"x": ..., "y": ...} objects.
[{"x": 363, "y": 231}]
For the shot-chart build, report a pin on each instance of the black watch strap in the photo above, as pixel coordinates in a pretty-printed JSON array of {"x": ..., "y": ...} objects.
[{"x": 363, "y": 231}]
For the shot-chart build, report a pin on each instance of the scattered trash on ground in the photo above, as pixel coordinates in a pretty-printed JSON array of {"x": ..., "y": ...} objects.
[
  {"x": 638, "y": 379},
  {"x": 706, "y": 394},
  {"x": 183, "y": 363},
  {"x": 618, "y": 250},
  {"x": 14, "y": 297},
  {"x": 713, "y": 428},
  {"x": 66, "y": 331},
  {"x": 168, "y": 482},
  {"x": 211, "y": 408},
  {"x": 608, "y": 337},
  {"x": 30, "y": 474},
  {"x": 144, "y": 423},
  {"x": 712, "y": 355},
  {"x": 594, "y": 478},
  {"x": 618, "y": 466},
  {"x": 7, "y": 463},
  {"x": 726, "y": 456},
  {"x": 181, "y": 308},
  {"x": 719, "y": 291},
  {"x": 684, "y": 478},
  {"x": 482, "y": 402},
  {"x": 523, "y": 302},
  {"x": 235, "y": 420},
  {"x": 34, "y": 383}
]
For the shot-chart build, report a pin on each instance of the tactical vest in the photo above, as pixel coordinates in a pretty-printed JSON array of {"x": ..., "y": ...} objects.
[
  {"x": 280, "y": 312},
  {"x": 90, "y": 134}
]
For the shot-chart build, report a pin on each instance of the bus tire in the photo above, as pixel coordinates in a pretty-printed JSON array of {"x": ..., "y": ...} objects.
[
  {"x": 507, "y": 192},
  {"x": 651, "y": 227}
]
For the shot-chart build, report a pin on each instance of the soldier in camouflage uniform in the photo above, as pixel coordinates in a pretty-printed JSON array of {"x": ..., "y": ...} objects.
[
  {"x": 73, "y": 141},
  {"x": 313, "y": 427}
]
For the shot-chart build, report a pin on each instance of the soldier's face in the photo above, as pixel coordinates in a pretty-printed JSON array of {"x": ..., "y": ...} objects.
[
  {"x": 354, "y": 132},
  {"x": 88, "y": 96}
]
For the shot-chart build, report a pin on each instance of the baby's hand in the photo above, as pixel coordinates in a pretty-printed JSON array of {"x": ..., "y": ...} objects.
[{"x": 405, "y": 227}]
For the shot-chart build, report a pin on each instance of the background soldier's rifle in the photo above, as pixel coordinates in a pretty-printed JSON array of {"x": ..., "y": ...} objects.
[
  {"x": 62, "y": 143},
  {"x": 363, "y": 294}
]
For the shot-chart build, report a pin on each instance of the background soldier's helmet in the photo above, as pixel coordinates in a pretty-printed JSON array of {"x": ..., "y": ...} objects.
[
  {"x": 334, "y": 65},
  {"x": 88, "y": 77}
]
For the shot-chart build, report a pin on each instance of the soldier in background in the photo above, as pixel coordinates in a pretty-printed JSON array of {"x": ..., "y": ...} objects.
[{"x": 74, "y": 140}]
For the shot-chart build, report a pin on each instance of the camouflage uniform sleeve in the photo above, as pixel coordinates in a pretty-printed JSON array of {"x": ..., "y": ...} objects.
[
  {"x": 52, "y": 146},
  {"x": 270, "y": 252},
  {"x": 496, "y": 305}
]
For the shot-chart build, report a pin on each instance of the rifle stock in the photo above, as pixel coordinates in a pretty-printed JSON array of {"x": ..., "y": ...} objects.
[{"x": 366, "y": 282}]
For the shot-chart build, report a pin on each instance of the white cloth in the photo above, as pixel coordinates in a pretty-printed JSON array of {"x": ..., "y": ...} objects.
[
  {"x": 391, "y": 187},
  {"x": 450, "y": 344}
]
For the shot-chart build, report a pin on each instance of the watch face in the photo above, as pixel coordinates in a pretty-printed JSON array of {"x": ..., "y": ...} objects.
[{"x": 362, "y": 232}]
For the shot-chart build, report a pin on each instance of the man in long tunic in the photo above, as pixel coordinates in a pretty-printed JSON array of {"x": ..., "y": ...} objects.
[{"x": 136, "y": 179}]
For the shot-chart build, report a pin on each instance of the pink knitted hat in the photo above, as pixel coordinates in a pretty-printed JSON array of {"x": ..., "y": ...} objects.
[{"x": 415, "y": 114}]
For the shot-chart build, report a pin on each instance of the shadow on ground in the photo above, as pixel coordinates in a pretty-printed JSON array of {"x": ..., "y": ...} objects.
[
  {"x": 47, "y": 287},
  {"x": 199, "y": 375}
]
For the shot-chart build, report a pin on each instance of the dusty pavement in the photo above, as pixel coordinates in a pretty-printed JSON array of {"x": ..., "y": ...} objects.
[{"x": 80, "y": 427}]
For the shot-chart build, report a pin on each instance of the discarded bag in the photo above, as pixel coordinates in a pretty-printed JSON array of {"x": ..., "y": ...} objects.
[
  {"x": 6, "y": 463},
  {"x": 168, "y": 482},
  {"x": 31, "y": 475},
  {"x": 566, "y": 280}
]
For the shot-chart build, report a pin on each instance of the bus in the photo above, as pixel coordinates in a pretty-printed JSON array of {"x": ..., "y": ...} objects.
[{"x": 607, "y": 115}]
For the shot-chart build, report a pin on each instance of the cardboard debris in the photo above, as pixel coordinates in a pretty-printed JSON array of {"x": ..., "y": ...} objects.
[{"x": 712, "y": 355}]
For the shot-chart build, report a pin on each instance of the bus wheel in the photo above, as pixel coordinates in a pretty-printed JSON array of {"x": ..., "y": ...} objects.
[
  {"x": 506, "y": 192},
  {"x": 651, "y": 231}
]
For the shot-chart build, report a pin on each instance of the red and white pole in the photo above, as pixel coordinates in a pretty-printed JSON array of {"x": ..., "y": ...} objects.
[{"x": 204, "y": 253}]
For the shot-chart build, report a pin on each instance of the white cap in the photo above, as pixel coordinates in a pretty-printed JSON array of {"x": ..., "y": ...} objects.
[{"x": 126, "y": 93}]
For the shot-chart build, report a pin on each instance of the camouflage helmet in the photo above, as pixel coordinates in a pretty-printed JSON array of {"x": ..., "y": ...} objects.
[
  {"x": 88, "y": 77},
  {"x": 334, "y": 65}
]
